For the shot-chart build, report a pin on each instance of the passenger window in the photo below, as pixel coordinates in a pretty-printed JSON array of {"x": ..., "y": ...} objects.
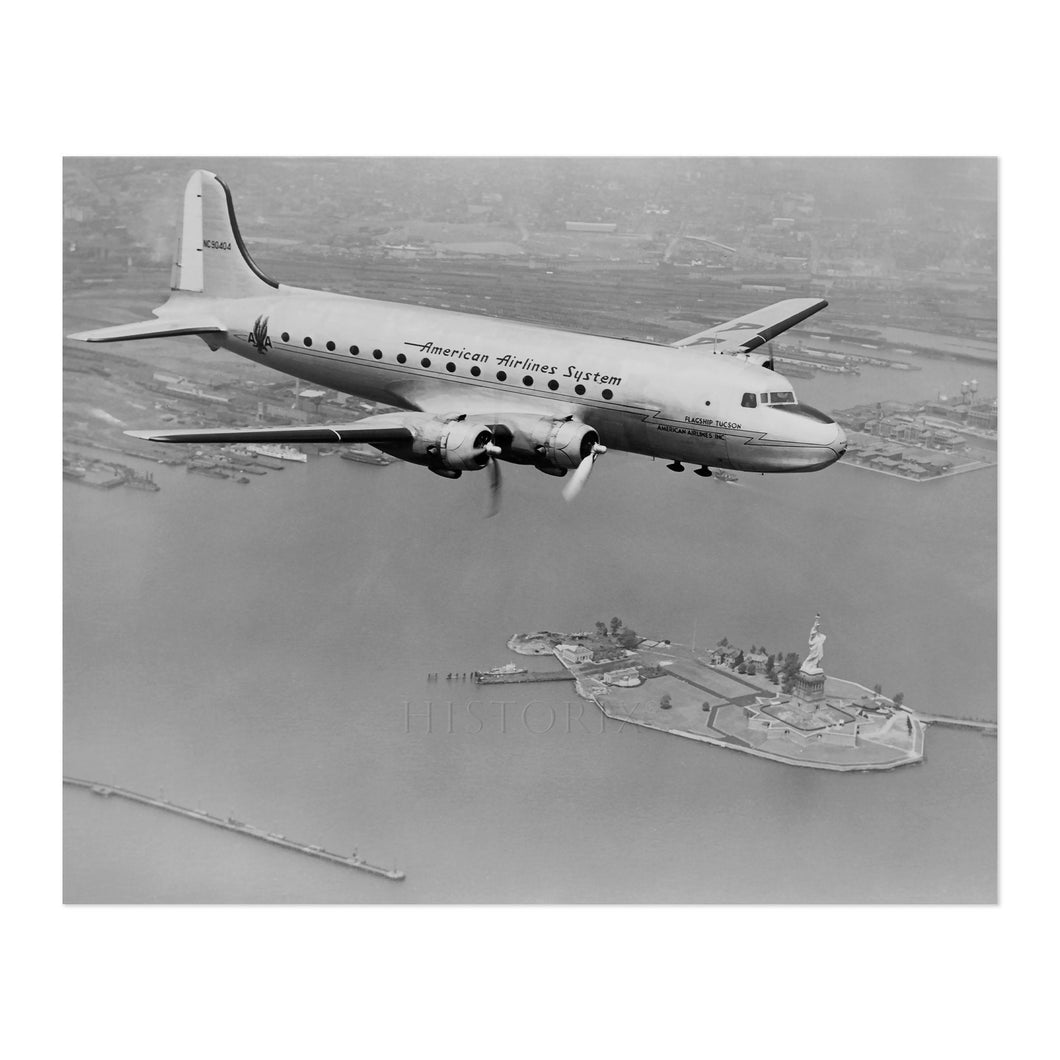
[
  {"x": 749, "y": 401},
  {"x": 764, "y": 397},
  {"x": 782, "y": 397}
]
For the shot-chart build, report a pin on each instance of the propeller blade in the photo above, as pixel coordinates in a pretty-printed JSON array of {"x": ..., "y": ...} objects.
[
  {"x": 495, "y": 479},
  {"x": 582, "y": 473}
]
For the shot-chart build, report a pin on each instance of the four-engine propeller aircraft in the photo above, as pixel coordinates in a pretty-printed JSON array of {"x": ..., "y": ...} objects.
[{"x": 476, "y": 390}]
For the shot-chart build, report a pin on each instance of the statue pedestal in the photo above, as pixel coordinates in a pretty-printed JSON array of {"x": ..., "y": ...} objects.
[{"x": 808, "y": 687}]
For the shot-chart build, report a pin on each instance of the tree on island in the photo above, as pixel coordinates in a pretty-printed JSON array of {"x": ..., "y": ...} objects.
[
  {"x": 877, "y": 690},
  {"x": 738, "y": 661},
  {"x": 899, "y": 699},
  {"x": 724, "y": 642},
  {"x": 616, "y": 625},
  {"x": 750, "y": 668},
  {"x": 628, "y": 638},
  {"x": 706, "y": 704},
  {"x": 601, "y": 629},
  {"x": 665, "y": 703}
]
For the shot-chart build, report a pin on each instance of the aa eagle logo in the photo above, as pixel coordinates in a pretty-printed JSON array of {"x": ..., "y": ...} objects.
[{"x": 259, "y": 335}]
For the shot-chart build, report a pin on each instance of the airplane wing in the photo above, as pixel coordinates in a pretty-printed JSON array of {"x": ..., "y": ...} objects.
[
  {"x": 749, "y": 332},
  {"x": 337, "y": 432},
  {"x": 448, "y": 445}
]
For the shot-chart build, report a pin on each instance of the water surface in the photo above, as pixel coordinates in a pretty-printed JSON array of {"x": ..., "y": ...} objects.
[{"x": 263, "y": 650}]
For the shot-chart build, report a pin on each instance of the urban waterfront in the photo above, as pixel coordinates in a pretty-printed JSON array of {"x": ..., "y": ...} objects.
[{"x": 263, "y": 652}]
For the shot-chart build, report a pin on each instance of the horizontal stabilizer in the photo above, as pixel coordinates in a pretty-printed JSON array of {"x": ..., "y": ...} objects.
[
  {"x": 325, "y": 433},
  {"x": 748, "y": 332},
  {"x": 149, "y": 329}
]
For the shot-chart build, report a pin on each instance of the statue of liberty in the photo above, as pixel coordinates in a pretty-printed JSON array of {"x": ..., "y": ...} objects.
[{"x": 812, "y": 663}]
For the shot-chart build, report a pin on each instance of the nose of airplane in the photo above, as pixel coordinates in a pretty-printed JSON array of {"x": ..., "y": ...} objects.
[
  {"x": 839, "y": 446},
  {"x": 835, "y": 438},
  {"x": 813, "y": 440}
]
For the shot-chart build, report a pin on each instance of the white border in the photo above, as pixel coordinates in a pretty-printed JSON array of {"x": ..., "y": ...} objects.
[{"x": 545, "y": 78}]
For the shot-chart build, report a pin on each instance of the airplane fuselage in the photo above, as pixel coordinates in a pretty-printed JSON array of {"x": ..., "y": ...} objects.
[{"x": 681, "y": 404}]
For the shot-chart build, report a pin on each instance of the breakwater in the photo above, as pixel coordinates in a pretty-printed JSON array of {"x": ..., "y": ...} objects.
[{"x": 231, "y": 824}]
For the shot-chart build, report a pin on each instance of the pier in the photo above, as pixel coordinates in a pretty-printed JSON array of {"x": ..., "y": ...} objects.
[
  {"x": 987, "y": 728},
  {"x": 230, "y": 824},
  {"x": 520, "y": 679}
]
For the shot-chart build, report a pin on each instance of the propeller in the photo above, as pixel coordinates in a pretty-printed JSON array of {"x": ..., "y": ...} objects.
[
  {"x": 492, "y": 452},
  {"x": 583, "y": 471}
]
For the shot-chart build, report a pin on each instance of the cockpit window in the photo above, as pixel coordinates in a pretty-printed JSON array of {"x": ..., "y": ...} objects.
[{"x": 775, "y": 397}]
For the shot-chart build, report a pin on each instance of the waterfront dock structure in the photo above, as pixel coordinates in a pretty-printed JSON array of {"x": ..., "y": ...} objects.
[
  {"x": 502, "y": 677},
  {"x": 983, "y": 725},
  {"x": 922, "y": 441},
  {"x": 230, "y": 824},
  {"x": 523, "y": 678},
  {"x": 910, "y": 462},
  {"x": 105, "y": 474},
  {"x": 823, "y": 358}
]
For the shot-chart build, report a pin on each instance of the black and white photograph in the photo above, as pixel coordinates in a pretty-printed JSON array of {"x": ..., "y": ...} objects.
[
  {"x": 614, "y": 530},
  {"x": 536, "y": 571}
]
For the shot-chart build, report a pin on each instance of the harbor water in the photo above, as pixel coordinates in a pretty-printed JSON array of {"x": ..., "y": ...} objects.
[{"x": 262, "y": 650}]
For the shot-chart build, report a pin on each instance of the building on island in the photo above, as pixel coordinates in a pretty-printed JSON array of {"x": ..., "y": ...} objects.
[
  {"x": 573, "y": 654},
  {"x": 723, "y": 655},
  {"x": 627, "y": 677}
]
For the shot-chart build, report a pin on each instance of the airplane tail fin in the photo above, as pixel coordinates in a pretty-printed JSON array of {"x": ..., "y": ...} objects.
[
  {"x": 211, "y": 257},
  {"x": 210, "y": 260}
]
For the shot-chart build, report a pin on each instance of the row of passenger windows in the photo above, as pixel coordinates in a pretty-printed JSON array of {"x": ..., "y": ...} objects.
[
  {"x": 528, "y": 380},
  {"x": 774, "y": 397}
]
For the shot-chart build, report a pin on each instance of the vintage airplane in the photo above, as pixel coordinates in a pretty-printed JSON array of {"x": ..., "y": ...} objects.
[{"x": 476, "y": 390}]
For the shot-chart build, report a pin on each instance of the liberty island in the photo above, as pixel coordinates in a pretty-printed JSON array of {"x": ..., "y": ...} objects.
[{"x": 796, "y": 714}]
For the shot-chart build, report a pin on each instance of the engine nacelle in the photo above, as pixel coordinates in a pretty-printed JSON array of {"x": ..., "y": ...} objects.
[
  {"x": 543, "y": 441},
  {"x": 446, "y": 446},
  {"x": 760, "y": 358}
]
